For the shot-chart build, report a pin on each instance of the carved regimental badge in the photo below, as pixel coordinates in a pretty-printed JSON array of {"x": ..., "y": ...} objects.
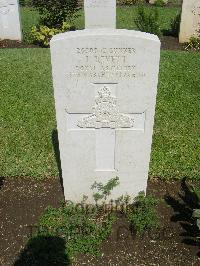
[{"x": 106, "y": 113}]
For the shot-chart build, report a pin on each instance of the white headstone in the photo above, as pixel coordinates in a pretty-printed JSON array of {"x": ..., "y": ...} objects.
[
  {"x": 10, "y": 20},
  {"x": 154, "y": 1},
  {"x": 190, "y": 20},
  {"x": 105, "y": 84},
  {"x": 100, "y": 14}
]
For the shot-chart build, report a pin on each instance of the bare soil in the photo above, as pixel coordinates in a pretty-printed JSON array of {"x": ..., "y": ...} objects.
[
  {"x": 15, "y": 44},
  {"x": 22, "y": 201},
  {"x": 171, "y": 43}
]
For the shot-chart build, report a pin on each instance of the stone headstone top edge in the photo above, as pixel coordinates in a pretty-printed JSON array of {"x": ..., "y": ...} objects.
[{"x": 105, "y": 32}]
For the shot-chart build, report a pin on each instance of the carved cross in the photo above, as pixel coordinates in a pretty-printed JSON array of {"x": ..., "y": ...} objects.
[{"x": 106, "y": 119}]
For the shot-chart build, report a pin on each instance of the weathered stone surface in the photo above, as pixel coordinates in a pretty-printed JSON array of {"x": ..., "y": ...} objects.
[
  {"x": 10, "y": 20},
  {"x": 190, "y": 20},
  {"x": 105, "y": 85},
  {"x": 100, "y": 14}
]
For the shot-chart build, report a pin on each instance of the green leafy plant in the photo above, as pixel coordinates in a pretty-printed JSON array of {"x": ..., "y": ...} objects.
[
  {"x": 82, "y": 231},
  {"x": 160, "y": 3},
  {"x": 54, "y": 12},
  {"x": 26, "y": 2},
  {"x": 124, "y": 199},
  {"x": 129, "y": 2},
  {"x": 196, "y": 212},
  {"x": 143, "y": 215},
  {"x": 147, "y": 20},
  {"x": 42, "y": 34},
  {"x": 103, "y": 191},
  {"x": 22, "y": 2}
]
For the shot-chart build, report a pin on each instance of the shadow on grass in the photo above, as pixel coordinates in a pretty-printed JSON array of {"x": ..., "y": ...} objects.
[
  {"x": 183, "y": 209},
  {"x": 43, "y": 250},
  {"x": 57, "y": 154}
]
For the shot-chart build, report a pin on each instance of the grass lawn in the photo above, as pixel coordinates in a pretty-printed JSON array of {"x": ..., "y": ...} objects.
[
  {"x": 125, "y": 18},
  {"x": 28, "y": 118}
]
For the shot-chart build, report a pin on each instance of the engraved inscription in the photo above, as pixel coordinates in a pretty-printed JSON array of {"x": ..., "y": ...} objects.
[
  {"x": 104, "y": 63},
  {"x": 4, "y": 7},
  {"x": 106, "y": 113}
]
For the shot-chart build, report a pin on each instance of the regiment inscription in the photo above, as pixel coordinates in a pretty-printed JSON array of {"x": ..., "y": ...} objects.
[{"x": 105, "y": 63}]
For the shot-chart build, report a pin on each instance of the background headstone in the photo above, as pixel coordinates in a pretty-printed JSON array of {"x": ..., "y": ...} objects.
[
  {"x": 153, "y": 1},
  {"x": 100, "y": 14},
  {"x": 190, "y": 20},
  {"x": 10, "y": 20},
  {"x": 105, "y": 85}
]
